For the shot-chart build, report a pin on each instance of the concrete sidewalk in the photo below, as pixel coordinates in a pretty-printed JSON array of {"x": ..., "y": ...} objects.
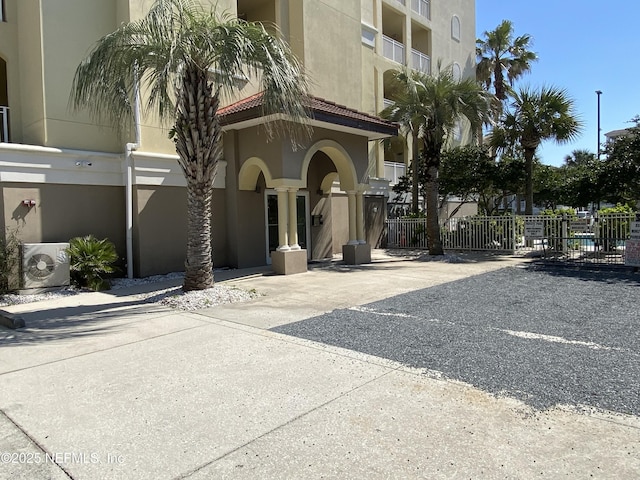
[{"x": 104, "y": 386}]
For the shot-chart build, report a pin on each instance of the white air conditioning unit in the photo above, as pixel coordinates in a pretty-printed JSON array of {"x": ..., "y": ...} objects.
[{"x": 45, "y": 265}]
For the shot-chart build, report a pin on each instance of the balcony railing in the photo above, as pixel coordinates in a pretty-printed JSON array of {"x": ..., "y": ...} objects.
[
  {"x": 420, "y": 61},
  {"x": 4, "y": 124},
  {"x": 392, "y": 49},
  {"x": 422, "y": 7},
  {"x": 393, "y": 171}
]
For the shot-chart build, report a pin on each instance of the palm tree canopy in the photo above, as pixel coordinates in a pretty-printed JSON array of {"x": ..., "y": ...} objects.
[
  {"x": 534, "y": 115},
  {"x": 500, "y": 54},
  {"x": 177, "y": 36},
  {"x": 430, "y": 106},
  {"x": 580, "y": 157}
]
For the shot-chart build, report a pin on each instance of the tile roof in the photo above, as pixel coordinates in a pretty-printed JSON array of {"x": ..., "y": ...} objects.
[{"x": 321, "y": 110}]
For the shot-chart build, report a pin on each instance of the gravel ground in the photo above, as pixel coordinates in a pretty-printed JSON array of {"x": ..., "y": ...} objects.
[
  {"x": 546, "y": 336},
  {"x": 171, "y": 297}
]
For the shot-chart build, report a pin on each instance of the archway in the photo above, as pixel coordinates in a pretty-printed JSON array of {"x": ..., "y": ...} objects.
[
  {"x": 340, "y": 158},
  {"x": 250, "y": 172}
]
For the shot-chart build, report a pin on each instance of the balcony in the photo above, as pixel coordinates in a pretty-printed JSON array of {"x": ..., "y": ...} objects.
[
  {"x": 422, "y": 8},
  {"x": 392, "y": 49},
  {"x": 420, "y": 61},
  {"x": 393, "y": 171},
  {"x": 4, "y": 124}
]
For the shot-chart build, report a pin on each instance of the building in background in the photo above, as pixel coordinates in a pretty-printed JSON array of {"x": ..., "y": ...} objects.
[{"x": 61, "y": 175}]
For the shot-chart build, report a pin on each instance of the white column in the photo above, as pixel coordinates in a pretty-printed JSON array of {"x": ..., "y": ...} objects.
[
  {"x": 360, "y": 217},
  {"x": 353, "y": 233},
  {"x": 283, "y": 210},
  {"x": 293, "y": 220}
]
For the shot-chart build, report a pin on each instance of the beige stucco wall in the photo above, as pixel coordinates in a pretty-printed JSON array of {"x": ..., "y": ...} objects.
[
  {"x": 444, "y": 46},
  {"x": 160, "y": 233},
  {"x": 284, "y": 162},
  {"x": 332, "y": 54},
  {"x": 64, "y": 211}
]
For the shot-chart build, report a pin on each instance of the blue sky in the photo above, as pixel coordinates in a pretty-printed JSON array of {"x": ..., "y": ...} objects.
[{"x": 582, "y": 47}]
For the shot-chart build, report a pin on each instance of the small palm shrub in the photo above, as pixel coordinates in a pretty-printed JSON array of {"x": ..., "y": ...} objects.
[{"x": 90, "y": 259}]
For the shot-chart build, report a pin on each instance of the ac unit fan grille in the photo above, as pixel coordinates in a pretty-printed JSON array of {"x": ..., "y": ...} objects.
[{"x": 40, "y": 266}]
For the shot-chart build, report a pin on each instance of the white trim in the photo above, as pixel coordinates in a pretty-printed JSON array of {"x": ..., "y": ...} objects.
[
  {"x": 36, "y": 164},
  {"x": 456, "y": 28},
  {"x": 369, "y": 33}
]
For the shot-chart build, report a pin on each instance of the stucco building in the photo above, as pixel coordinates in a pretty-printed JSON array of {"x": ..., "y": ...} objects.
[{"x": 61, "y": 175}]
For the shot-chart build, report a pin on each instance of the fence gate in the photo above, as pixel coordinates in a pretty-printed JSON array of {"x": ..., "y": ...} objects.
[{"x": 602, "y": 239}]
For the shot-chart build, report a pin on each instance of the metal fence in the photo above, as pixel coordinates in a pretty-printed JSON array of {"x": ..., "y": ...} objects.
[
  {"x": 601, "y": 239},
  {"x": 407, "y": 233}
]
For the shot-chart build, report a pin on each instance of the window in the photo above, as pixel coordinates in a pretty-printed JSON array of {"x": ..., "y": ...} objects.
[
  {"x": 455, "y": 28},
  {"x": 369, "y": 35},
  {"x": 456, "y": 71}
]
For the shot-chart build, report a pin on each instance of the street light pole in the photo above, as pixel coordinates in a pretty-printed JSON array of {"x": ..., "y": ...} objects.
[{"x": 598, "y": 92}]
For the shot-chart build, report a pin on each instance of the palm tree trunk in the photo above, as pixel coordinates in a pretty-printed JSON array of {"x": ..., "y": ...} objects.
[
  {"x": 197, "y": 137},
  {"x": 498, "y": 82},
  {"x": 199, "y": 262},
  {"x": 415, "y": 190},
  {"x": 528, "y": 157},
  {"x": 433, "y": 225}
]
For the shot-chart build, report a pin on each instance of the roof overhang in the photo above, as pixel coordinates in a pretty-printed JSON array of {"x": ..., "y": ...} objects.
[{"x": 323, "y": 114}]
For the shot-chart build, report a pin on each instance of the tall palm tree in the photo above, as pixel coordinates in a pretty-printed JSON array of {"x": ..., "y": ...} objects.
[
  {"x": 185, "y": 58},
  {"x": 430, "y": 106},
  {"x": 579, "y": 158},
  {"x": 534, "y": 115},
  {"x": 499, "y": 54}
]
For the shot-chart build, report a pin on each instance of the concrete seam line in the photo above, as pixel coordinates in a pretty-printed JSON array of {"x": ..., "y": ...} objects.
[
  {"x": 279, "y": 427},
  {"x": 36, "y": 443}
]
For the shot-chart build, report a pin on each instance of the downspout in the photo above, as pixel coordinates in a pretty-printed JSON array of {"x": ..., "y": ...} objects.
[{"x": 130, "y": 147}]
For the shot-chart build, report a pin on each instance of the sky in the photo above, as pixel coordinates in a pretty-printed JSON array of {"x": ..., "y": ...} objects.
[{"x": 582, "y": 46}]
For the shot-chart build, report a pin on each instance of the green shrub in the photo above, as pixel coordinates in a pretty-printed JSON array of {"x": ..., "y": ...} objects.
[
  {"x": 9, "y": 256},
  {"x": 91, "y": 258},
  {"x": 619, "y": 208}
]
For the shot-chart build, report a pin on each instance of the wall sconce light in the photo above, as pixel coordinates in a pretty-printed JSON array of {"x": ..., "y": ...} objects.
[
  {"x": 29, "y": 203},
  {"x": 84, "y": 163}
]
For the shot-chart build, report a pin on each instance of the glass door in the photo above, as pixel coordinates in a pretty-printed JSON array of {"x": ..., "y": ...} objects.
[{"x": 302, "y": 210}]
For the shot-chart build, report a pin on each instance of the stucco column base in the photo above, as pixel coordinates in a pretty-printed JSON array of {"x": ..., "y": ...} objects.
[
  {"x": 356, "y": 254},
  {"x": 290, "y": 262}
]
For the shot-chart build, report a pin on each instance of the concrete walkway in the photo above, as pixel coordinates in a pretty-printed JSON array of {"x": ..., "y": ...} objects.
[{"x": 102, "y": 386}]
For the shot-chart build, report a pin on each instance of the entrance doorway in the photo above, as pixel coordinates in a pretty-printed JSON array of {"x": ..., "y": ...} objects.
[{"x": 271, "y": 222}]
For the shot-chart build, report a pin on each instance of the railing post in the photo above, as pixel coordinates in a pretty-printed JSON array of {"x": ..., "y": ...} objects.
[
  {"x": 564, "y": 233},
  {"x": 4, "y": 134},
  {"x": 514, "y": 234}
]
